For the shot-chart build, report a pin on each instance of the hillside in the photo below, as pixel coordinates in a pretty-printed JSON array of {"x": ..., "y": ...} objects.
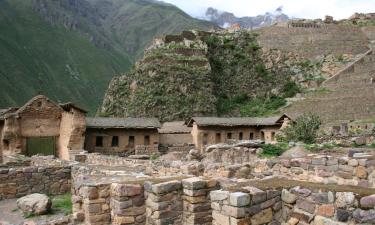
[
  {"x": 201, "y": 73},
  {"x": 71, "y": 49},
  {"x": 235, "y": 73}
]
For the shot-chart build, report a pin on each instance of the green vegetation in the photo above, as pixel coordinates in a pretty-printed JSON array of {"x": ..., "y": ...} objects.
[
  {"x": 62, "y": 203},
  {"x": 304, "y": 129},
  {"x": 72, "y": 53},
  {"x": 271, "y": 150},
  {"x": 320, "y": 147}
]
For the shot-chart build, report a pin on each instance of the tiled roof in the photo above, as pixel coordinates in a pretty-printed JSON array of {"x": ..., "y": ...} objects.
[
  {"x": 175, "y": 127},
  {"x": 132, "y": 123},
  {"x": 234, "y": 121}
]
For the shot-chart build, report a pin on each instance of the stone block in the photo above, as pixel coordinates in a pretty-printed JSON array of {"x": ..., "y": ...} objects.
[
  {"x": 201, "y": 207},
  {"x": 194, "y": 200},
  {"x": 361, "y": 172},
  {"x": 235, "y": 221},
  {"x": 264, "y": 217},
  {"x": 367, "y": 202},
  {"x": 194, "y": 183},
  {"x": 256, "y": 195},
  {"x": 326, "y": 210},
  {"x": 319, "y": 220},
  {"x": 302, "y": 215},
  {"x": 235, "y": 212},
  {"x": 346, "y": 168},
  {"x": 342, "y": 215},
  {"x": 319, "y": 161},
  {"x": 127, "y": 190},
  {"x": 239, "y": 199},
  {"x": 273, "y": 193},
  {"x": 353, "y": 162},
  {"x": 332, "y": 162},
  {"x": 344, "y": 199},
  {"x": 345, "y": 175},
  {"x": 122, "y": 220},
  {"x": 219, "y": 195},
  {"x": 288, "y": 197},
  {"x": 193, "y": 193},
  {"x": 220, "y": 219},
  {"x": 306, "y": 205},
  {"x": 269, "y": 203},
  {"x": 320, "y": 197},
  {"x": 166, "y": 187}
]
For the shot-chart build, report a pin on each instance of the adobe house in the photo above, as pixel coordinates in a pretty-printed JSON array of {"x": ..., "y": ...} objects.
[
  {"x": 176, "y": 132},
  {"x": 122, "y": 136},
  {"x": 44, "y": 127},
  {"x": 213, "y": 130}
]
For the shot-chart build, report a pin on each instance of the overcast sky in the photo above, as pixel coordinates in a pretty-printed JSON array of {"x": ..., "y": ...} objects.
[{"x": 309, "y": 9}]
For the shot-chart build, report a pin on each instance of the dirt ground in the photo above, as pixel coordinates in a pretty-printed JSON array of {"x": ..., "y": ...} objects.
[{"x": 11, "y": 215}]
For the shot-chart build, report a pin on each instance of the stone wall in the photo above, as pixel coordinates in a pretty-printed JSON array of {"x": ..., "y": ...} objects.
[
  {"x": 356, "y": 169},
  {"x": 296, "y": 205},
  {"x": 309, "y": 43},
  {"x": 110, "y": 160},
  {"x": 254, "y": 207},
  {"x": 146, "y": 201},
  {"x": 146, "y": 149},
  {"x": 20, "y": 181}
]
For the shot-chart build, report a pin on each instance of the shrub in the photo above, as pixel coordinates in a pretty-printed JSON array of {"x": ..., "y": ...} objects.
[
  {"x": 304, "y": 129},
  {"x": 270, "y": 150}
]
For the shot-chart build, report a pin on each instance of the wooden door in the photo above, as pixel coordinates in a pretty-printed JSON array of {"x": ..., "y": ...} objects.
[{"x": 41, "y": 145}]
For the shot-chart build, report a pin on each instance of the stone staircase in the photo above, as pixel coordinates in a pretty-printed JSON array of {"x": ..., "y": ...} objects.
[{"x": 350, "y": 94}]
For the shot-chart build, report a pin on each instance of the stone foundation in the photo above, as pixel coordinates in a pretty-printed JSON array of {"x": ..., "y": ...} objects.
[{"x": 52, "y": 178}]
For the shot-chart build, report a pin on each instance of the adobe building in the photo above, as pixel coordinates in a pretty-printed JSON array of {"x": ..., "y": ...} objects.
[
  {"x": 44, "y": 127},
  {"x": 176, "y": 132},
  {"x": 214, "y": 130},
  {"x": 122, "y": 136}
]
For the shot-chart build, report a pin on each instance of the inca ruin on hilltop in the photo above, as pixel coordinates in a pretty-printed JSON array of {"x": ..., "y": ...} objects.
[{"x": 230, "y": 127}]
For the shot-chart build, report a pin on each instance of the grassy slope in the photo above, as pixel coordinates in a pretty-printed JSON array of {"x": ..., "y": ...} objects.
[{"x": 70, "y": 67}]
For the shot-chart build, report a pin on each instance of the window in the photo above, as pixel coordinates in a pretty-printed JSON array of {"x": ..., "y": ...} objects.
[
  {"x": 6, "y": 144},
  {"x": 131, "y": 141},
  {"x": 99, "y": 141},
  {"x": 205, "y": 139},
  {"x": 262, "y": 136},
  {"x": 251, "y": 136},
  {"x": 147, "y": 140},
  {"x": 240, "y": 136},
  {"x": 218, "y": 138},
  {"x": 229, "y": 136},
  {"x": 115, "y": 141}
]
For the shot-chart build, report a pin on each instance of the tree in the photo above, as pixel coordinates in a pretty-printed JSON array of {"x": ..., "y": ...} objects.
[{"x": 304, "y": 128}]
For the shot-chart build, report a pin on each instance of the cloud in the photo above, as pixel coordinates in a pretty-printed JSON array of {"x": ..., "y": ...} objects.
[{"x": 310, "y": 9}]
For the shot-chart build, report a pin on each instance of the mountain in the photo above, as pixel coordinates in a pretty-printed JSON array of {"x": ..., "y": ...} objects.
[
  {"x": 226, "y": 19},
  {"x": 71, "y": 49}
]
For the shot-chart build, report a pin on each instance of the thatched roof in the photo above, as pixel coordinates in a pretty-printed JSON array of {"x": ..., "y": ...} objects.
[
  {"x": 236, "y": 121},
  {"x": 129, "y": 123},
  {"x": 175, "y": 127}
]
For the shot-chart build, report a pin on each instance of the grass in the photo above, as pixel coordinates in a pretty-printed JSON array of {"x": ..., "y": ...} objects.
[
  {"x": 272, "y": 150},
  {"x": 62, "y": 203}
]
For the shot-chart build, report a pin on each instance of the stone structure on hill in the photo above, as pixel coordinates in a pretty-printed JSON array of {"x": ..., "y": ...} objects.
[
  {"x": 349, "y": 94},
  {"x": 42, "y": 127}
]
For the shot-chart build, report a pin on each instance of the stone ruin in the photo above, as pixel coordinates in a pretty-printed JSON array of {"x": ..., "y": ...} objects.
[{"x": 228, "y": 184}]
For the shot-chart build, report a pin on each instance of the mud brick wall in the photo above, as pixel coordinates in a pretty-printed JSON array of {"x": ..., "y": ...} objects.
[
  {"x": 16, "y": 182},
  {"x": 164, "y": 203},
  {"x": 253, "y": 207}
]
